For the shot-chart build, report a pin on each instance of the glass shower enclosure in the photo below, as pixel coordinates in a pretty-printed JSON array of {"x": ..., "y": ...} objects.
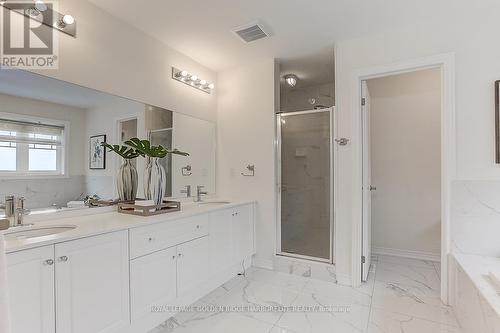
[{"x": 305, "y": 189}]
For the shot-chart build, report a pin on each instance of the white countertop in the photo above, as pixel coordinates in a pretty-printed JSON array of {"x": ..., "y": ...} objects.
[
  {"x": 89, "y": 224},
  {"x": 478, "y": 269}
]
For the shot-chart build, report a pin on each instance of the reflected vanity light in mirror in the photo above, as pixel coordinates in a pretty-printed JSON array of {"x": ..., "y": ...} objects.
[
  {"x": 53, "y": 172},
  {"x": 192, "y": 80}
]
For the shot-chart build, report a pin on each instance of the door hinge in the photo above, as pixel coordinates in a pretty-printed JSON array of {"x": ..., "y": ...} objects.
[
  {"x": 363, "y": 259},
  {"x": 363, "y": 101}
]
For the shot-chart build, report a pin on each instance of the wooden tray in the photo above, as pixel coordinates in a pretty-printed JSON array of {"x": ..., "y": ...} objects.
[{"x": 165, "y": 207}]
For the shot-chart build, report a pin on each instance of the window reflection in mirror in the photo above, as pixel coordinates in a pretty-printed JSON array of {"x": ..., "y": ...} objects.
[{"x": 45, "y": 127}]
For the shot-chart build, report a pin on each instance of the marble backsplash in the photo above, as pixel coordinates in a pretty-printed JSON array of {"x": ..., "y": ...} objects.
[
  {"x": 41, "y": 193},
  {"x": 44, "y": 192},
  {"x": 475, "y": 217}
]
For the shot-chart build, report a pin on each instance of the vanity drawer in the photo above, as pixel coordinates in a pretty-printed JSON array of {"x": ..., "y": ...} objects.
[{"x": 160, "y": 236}]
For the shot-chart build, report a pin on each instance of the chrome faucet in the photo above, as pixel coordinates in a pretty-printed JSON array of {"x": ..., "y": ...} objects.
[
  {"x": 20, "y": 212},
  {"x": 199, "y": 193},
  {"x": 187, "y": 191},
  {"x": 8, "y": 206}
]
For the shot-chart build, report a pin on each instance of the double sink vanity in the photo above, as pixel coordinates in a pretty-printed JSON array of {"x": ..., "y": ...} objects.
[{"x": 96, "y": 271}]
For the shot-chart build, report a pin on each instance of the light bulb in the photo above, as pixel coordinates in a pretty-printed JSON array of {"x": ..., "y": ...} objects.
[
  {"x": 68, "y": 19},
  {"x": 211, "y": 86},
  {"x": 194, "y": 77},
  {"x": 291, "y": 79},
  {"x": 41, "y": 6},
  {"x": 184, "y": 73},
  {"x": 203, "y": 82}
]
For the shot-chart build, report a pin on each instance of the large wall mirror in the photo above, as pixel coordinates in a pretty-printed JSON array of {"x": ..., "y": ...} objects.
[{"x": 50, "y": 134}]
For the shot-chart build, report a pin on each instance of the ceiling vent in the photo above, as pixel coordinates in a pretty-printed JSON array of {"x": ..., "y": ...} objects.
[{"x": 251, "y": 32}]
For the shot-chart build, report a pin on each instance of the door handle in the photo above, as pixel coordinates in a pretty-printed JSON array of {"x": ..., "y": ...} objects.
[{"x": 373, "y": 188}]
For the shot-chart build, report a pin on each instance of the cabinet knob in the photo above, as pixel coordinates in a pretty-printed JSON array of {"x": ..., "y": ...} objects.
[
  {"x": 63, "y": 258},
  {"x": 173, "y": 257},
  {"x": 198, "y": 226},
  {"x": 49, "y": 262},
  {"x": 179, "y": 255},
  {"x": 150, "y": 239}
]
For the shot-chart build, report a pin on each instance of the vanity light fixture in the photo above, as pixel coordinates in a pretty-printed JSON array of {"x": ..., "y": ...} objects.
[
  {"x": 291, "y": 80},
  {"x": 192, "y": 80},
  {"x": 44, "y": 13},
  {"x": 65, "y": 21}
]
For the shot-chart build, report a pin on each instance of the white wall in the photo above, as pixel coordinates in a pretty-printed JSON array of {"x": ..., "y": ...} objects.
[
  {"x": 114, "y": 57},
  {"x": 405, "y": 120},
  {"x": 477, "y": 67},
  {"x": 104, "y": 120},
  {"x": 245, "y": 136}
]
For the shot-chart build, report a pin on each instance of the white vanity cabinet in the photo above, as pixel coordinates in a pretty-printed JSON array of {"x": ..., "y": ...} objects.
[
  {"x": 232, "y": 236},
  {"x": 192, "y": 265},
  {"x": 92, "y": 284},
  {"x": 72, "y": 287},
  {"x": 243, "y": 232},
  {"x": 113, "y": 281},
  {"x": 30, "y": 276}
]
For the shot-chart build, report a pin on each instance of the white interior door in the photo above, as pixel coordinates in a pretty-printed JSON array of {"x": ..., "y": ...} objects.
[{"x": 367, "y": 186}]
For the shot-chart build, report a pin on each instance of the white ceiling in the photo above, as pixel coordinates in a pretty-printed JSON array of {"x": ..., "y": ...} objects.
[
  {"x": 202, "y": 29},
  {"x": 312, "y": 69}
]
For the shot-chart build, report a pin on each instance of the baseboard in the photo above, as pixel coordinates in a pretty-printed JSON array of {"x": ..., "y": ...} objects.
[
  {"x": 420, "y": 255},
  {"x": 262, "y": 263}
]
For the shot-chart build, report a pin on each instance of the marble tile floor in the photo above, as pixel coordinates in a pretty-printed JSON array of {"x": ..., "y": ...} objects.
[{"x": 401, "y": 295}]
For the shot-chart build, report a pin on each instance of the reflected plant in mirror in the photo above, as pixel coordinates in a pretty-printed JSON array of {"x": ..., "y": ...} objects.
[
  {"x": 126, "y": 177},
  {"x": 45, "y": 152}
]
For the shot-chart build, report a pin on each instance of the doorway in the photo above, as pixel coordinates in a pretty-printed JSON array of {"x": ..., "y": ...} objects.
[
  {"x": 445, "y": 64},
  {"x": 402, "y": 166}
]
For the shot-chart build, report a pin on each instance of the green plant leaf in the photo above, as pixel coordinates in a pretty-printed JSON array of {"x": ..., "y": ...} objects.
[
  {"x": 144, "y": 148},
  {"x": 124, "y": 151}
]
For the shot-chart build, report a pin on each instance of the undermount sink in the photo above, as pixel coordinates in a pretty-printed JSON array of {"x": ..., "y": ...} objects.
[
  {"x": 29, "y": 232},
  {"x": 220, "y": 202}
]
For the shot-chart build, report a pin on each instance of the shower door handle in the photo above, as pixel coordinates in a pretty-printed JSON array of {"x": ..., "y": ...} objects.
[{"x": 342, "y": 141}]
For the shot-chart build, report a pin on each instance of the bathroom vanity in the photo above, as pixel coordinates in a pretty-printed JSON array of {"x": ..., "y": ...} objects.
[{"x": 111, "y": 272}]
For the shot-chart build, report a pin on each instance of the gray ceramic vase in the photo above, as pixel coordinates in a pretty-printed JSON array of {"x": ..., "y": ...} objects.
[
  {"x": 155, "y": 180},
  {"x": 126, "y": 181}
]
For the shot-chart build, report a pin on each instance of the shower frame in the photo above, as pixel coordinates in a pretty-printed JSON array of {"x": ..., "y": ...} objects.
[{"x": 278, "y": 143}]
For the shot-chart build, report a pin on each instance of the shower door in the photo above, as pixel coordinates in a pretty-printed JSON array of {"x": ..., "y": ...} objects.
[{"x": 305, "y": 184}]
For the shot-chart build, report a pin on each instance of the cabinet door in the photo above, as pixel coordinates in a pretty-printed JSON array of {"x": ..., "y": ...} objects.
[
  {"x": 192, "y": 265},
  {"x": 152, "y": 281},
  {"x": 92, "y": 284},
  {"x": 221, "y": 245},
  {"x": 30, "y": 276},
  {"x": 243, "y": 232}
]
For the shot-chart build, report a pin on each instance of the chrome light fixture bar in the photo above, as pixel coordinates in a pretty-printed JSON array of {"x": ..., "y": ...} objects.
[
  {"x": 44, "y": 13},
  {"x": 192, "y": 80}
]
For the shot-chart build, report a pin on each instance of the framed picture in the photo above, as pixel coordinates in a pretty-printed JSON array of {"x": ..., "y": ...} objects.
[
  {"x": 97, "y": 153},
  {"x": 497, "y": 121}
]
